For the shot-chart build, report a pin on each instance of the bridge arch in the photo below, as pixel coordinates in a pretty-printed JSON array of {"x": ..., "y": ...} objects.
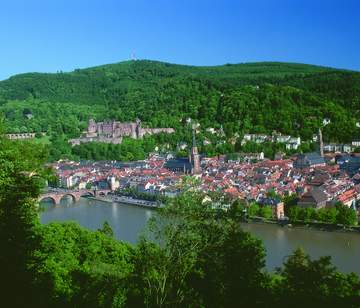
[
  {"x": 50, "y": 198},
  {"x": 87, "y": 194},
  {"x": 73, "y": 197}
]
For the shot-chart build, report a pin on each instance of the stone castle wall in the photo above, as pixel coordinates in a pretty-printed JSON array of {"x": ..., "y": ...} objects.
[
  {"x": 152, "y": 131},
  {"x": 21, "y": 136},
  {"x": 114, "y": 131}
]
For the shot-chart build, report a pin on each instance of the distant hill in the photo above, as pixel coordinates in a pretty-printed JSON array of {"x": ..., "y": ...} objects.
[
  {"x": 109, "y": 82},
  {"x": 251, "y": 97}
]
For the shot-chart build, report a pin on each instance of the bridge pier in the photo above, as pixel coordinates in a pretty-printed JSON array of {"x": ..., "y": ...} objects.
[{"x": 56, "y": 196}]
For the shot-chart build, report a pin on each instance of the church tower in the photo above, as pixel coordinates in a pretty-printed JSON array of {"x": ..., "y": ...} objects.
[
  {"x": 320, "y": 143},
  {"x": 194, "y": 156}
]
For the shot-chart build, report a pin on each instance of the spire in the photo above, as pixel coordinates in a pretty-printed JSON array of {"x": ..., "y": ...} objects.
[
  {"x": 194, "y": 158},
  {"x": 320, "y": 143},
  {"x": 193, "y": 138}
]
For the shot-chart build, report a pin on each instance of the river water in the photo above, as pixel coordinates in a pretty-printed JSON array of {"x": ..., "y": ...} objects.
[{"x": 128, "y": 222}]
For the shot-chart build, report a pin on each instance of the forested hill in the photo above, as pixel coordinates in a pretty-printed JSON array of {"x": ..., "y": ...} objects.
[
  {"x": 110, "y": 82},
  {"x": 252, "y": 97}
]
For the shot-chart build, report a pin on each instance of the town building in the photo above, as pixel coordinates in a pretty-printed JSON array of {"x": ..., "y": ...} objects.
[
  {"x": 179, "y": 165},
  {"x": 351, "y": 165},
  {"x": 249, "y": 180},
  {"x": 257, "y": 138},
  {"x": 340, "y": 148},
  {"x": 291, "y": 143},
  {"x": 355, "y": 143},
  {"x": 194, "y": 157},
  {"x": 309, "y": 160},
  {"x": 21, "y": 136},
  {"x": 114, "y": 184},
  {"x": 348, "y": 197},
  {"x": 314, "y": 198},
  {"x": 277, "y": 207}
]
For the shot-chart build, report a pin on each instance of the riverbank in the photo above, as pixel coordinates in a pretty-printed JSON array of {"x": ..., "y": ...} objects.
[
  {"x": 317, "y": 226},
  {"x": 129, "y": 222},
  {"x": 127, "y": 200}
]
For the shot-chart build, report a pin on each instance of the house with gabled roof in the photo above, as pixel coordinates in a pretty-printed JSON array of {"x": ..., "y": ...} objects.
[
  {"x": 315, "y": 198},
  {"x": 309, "y": 160}
]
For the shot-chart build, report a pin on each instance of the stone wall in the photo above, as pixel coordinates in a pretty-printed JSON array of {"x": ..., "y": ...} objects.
[
  {"x": 151, "y": 131},
  {"x": 113, "y": 131},
  {"x": 21, "y": 136}
]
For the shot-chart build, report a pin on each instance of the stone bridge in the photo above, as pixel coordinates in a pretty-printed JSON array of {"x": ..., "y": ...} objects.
[{"x": 57, "y": 195}]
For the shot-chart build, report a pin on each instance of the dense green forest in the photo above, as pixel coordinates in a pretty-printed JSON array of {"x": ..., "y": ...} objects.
[
  {"x": 254, "y": 97},
  {"x": 194, "y": 254}
]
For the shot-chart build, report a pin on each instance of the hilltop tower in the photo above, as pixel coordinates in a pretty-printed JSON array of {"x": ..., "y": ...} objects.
[
  {"x": 320, "y": 143},
  {"x": 194, "y": 156}
]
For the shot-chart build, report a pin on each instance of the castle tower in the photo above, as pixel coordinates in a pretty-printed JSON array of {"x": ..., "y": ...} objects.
[
  {"x": 195, "y": 157},
  {"x": 133, "y": 130},
  {"x": 92, "y": 126},
  {"x": 139, "y": 131},
  {"x": 92, "y": 130},
  {"x": 320, "y": 143}
]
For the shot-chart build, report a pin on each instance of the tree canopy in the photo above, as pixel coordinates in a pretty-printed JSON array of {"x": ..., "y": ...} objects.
[{"x": 241, "y": 98}]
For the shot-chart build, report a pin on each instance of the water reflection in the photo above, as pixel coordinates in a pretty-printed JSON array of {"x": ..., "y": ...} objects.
[
  {"x": 344, "y": 248},
  {"x": 67, "y": 201},
  {"x": 46, "y": 204},
  {"x": 128, "y": 223},
  {"x": 114, "y": 208}
]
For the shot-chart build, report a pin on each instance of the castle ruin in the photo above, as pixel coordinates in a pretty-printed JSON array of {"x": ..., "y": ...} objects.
[{"x": 111, "y": 131}]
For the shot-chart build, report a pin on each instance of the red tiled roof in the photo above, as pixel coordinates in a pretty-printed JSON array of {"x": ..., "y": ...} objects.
[{"x": 347, "y": 196}]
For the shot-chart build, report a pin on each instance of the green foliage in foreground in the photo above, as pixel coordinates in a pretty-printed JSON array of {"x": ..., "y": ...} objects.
[
  {"x": 21, "y": 179},
  {"x": 196, "y": 255},
  {"x": 74, "y": 266}
]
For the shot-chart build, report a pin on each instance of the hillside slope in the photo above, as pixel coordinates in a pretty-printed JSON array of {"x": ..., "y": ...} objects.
[
  {"x": 109, "y": 82},
  {"x": 252, "y": 97}
]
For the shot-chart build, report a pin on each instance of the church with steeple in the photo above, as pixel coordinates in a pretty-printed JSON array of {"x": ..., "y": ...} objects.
[
  {"x": 314, "y": 159},
  {"x": 190, "y": 165},
  {"x": 194, "y": 156}
]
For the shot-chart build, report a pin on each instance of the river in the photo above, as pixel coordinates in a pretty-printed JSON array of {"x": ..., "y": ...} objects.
[{"x": 128, "y": 223}]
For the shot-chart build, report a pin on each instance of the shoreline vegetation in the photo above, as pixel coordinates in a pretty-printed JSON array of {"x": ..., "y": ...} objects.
[
  {"x": 205, "y": 258},
  {"x": 312, "y": 225}
]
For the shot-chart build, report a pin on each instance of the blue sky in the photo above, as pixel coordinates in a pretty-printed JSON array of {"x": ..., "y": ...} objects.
[{"x": 51, "y": 35}]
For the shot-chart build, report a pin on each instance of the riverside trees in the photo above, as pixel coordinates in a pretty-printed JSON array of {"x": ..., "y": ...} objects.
[
  {"x": 21, "y": 171},
  {"x": 196, "y": 256}
]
